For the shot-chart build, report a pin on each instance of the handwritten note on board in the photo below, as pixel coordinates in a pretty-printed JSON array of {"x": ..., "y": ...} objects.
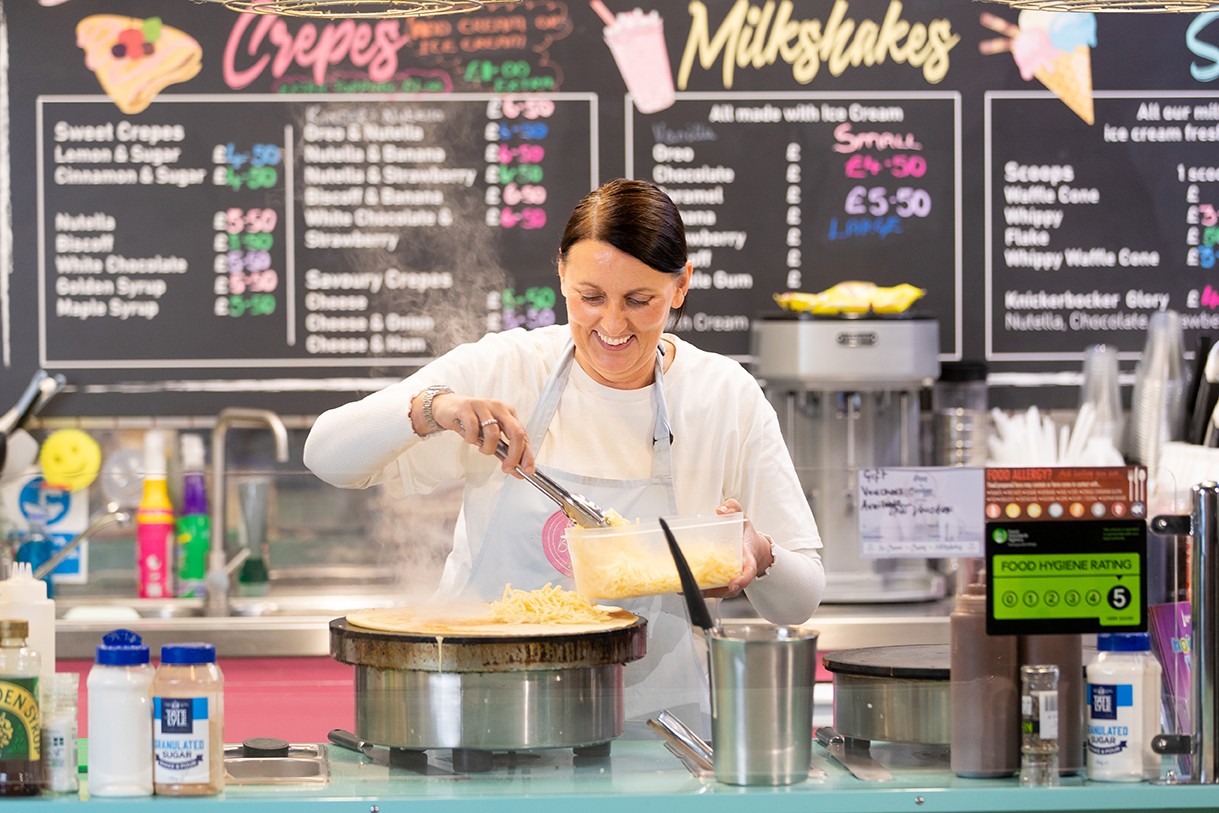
[{"x": 921, "y": 513}]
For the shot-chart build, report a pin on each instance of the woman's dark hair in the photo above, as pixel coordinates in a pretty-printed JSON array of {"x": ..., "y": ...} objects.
[{"x": 635, "y": 217}]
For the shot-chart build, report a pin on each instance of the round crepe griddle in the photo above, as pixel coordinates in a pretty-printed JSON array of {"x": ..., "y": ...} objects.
[
  {"x": 473, "y": 620},
  {"x": 464, "y": 648}
]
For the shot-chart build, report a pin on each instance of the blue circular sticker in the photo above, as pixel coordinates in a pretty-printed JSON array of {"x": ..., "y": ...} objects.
[{"x": 48, "y": 505}]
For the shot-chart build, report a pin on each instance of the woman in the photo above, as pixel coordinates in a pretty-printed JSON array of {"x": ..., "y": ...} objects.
[{"x": 613, "y": 408}]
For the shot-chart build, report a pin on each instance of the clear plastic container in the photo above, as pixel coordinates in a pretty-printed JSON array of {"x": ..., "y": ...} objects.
[
  {"x": 1123, "y": 709},
  {"x": 188, "y": 721},
  {"x": 624, "y": 561}
]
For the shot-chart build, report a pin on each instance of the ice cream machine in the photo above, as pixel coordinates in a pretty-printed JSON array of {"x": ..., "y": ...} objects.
[{"x": 846, "y": 391}]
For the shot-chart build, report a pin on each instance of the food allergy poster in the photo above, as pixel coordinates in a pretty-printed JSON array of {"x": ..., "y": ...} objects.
[
  {"x": 1066, "y": 550},
  {"x": 211, "y": 208}
]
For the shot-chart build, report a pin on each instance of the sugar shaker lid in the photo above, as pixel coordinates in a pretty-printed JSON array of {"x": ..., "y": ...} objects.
[
  {"x": 1123, "y": 642},
  {"x": 187, "y": 654},
  {"x": 122, "y": 648}
]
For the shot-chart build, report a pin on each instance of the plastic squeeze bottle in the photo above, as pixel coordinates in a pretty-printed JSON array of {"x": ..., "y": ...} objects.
[
  {"x": 1123, "y": 709},
  {"x": 194, "y": 526},
  {"x": 120, "y": 717},
  {"x": 984, "y": 692},
  {"x": 155, "y": 523},
  {"x": 20, "y": 770},
  {"x": 22, "y": 596}
]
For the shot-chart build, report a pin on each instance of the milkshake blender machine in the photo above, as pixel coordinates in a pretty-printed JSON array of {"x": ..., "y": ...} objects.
[{"x": 846, "y": 391}]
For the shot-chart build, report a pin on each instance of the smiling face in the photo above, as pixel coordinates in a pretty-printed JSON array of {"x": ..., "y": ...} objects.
[{"x": 617, "y": 307}]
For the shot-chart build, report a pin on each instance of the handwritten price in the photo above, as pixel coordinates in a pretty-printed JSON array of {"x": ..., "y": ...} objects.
[
  {"x": 252, "y": 178},
  {"x": 253, "y": 305},
  {"x": 260, "y": 155},
  {"x": 235, "y": 221},
  {"x": 899, "y": 166},
  {"x": 509, "y": 108},
  {"x": 507, "y": 173},
  {"x": 876, "y": 201},
  {"x": 237, "y": 261},
  {"x": 525, "y": 154},
  {"x": 527, "y": 218}
]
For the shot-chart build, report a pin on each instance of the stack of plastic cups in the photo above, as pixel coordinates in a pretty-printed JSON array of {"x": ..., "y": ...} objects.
[
  {"x": 1100, "y": 389},
  {"x": 958, "y": 402}
]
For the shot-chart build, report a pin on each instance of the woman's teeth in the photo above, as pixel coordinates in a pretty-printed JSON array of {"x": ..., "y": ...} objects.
[{"x": 614, "y": 342}]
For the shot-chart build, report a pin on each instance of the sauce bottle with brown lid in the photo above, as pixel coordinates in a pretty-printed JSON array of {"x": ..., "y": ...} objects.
[
  {"x": 20, "y": 724},
  {"x": 188, "y": 722}
]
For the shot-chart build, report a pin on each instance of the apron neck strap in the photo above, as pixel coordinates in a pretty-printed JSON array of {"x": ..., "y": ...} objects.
[{"x": 548, "y": 404}]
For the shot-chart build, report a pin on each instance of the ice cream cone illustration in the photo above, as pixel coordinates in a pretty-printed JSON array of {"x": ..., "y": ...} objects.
[{"x": 1052, "y": 47}]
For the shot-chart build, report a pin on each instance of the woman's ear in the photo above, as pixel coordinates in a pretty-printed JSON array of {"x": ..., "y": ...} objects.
[{"x": 683, "y": 285}]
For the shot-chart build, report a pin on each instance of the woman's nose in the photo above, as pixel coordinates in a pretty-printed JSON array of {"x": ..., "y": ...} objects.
[{"x": 614, "y": 318}]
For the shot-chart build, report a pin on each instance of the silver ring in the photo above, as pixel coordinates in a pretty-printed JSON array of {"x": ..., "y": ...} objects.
[{"x": 488, "y": 422}]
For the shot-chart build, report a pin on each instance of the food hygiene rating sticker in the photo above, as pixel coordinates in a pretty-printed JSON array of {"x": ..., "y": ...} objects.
[{"x": 1069, "y": 577}]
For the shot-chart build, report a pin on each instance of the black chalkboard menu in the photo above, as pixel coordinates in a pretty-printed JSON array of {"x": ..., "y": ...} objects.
[{"x": 212, "y": 209}]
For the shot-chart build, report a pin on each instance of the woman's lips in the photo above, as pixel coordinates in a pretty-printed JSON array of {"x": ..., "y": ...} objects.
[{"x": 615, "y": 346}]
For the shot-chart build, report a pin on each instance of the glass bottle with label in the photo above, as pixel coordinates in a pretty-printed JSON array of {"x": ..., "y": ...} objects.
[
  {"x": 188, "y": 721},
  {"x": 1039, "y": 725},
  {"x": 20, "y": 726},
  {"x": 60, "y": 765}
]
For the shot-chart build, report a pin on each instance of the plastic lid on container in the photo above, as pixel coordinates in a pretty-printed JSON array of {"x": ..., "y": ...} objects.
[
  {"x": 14, "y": 628},
  {"x": 154, "y": 453},
  {"x": 192, "y": 453},
  {"x": 21, "y": 587},
  {"x": 187, "y": 654},
  {"x": 1123, "y": 642},
  {"x": 959, "y": 371},
  {"x": 122, "y": 648}
]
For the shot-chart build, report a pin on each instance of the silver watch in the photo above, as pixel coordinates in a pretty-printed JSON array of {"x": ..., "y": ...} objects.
[{"x": 428, "y": 418}]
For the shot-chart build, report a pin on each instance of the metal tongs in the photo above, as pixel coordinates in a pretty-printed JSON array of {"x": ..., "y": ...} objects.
[{"x": 578, "y": 508}]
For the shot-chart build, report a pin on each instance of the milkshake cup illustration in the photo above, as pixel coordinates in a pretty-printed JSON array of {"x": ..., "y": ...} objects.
[{"x": 637, "y": 41}]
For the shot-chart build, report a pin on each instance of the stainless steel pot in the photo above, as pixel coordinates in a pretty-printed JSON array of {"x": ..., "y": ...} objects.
[{"x": 503, "y": 693}]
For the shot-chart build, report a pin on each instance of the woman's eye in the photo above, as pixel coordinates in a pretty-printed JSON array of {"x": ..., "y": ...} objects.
[
  {"x": 638, "y": 303},
  {"x": 592, "y": 300}
]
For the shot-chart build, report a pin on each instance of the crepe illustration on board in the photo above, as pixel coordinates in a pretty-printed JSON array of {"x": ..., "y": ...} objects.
[
  {"x": 1052, "y": 47},
  {"x": 136, "y": 59}
]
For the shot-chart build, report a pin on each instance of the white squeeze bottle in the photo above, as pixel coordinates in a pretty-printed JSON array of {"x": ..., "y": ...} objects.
[
  {"x": 22, "y": 596},
  {"x": 1123, "y": 709}
]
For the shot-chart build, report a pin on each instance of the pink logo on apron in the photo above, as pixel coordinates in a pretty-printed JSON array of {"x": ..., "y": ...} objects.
[{"x": 554, "y": 545}]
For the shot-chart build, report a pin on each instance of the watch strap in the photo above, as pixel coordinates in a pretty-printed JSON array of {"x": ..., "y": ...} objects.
[{"x": 429, "y": 395}]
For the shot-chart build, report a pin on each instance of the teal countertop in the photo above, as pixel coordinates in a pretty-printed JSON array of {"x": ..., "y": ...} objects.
[{"x": 643, "y": 776}]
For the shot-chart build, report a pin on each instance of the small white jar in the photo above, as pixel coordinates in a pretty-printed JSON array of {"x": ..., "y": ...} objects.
[
  {"x": 120, "y": 717},
  {"x": 1123, "y": 709}
]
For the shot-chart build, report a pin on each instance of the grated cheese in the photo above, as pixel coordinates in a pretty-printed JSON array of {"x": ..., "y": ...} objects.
[
  {"x": 548, "y": 605},
  {"x": 641, "y": 570}
]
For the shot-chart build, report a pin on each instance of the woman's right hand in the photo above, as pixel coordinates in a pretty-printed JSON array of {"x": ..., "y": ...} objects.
[{"x": 495, "y": 420}]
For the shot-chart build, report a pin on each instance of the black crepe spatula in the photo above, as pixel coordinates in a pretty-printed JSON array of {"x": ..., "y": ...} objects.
[{"x": 700, "y": 616}]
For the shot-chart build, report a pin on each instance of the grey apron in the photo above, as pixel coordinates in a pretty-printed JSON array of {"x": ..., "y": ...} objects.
[{"x": 524, "y": 547}]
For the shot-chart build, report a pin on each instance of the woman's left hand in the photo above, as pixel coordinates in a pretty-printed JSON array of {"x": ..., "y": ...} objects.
[{"x": 757, "y": 556}]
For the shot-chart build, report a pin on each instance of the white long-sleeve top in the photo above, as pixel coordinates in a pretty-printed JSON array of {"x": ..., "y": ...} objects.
[{"x": 726, "y": 444}]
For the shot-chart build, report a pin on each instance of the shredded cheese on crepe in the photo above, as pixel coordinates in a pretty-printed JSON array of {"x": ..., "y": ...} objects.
[{"x": 548, "y": 605}]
